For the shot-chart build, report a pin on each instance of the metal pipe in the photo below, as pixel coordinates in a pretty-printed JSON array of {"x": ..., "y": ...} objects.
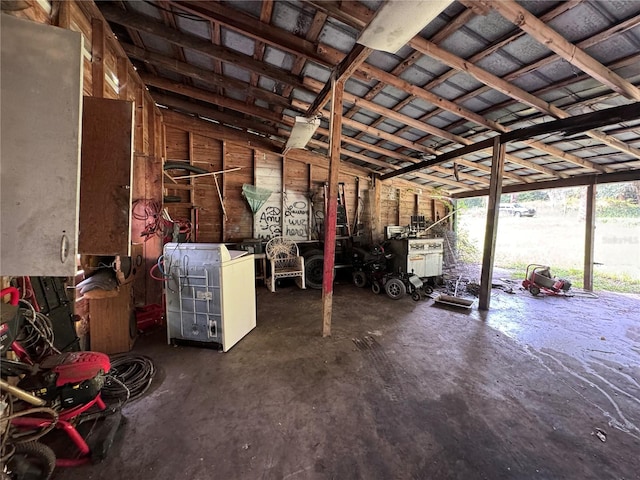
[{"x": 21, "y": 394}]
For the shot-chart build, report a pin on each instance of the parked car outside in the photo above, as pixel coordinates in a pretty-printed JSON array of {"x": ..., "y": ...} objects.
[{"x": 517, "y": 210}]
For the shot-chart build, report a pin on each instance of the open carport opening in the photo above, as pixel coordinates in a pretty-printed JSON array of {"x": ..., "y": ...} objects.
[{"x": 555, "y": 234}]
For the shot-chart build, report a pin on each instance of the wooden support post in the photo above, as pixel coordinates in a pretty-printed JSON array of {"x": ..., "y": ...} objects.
[
  {"x": 64, "y": 14},
  {"x": 192, "y": 182},
  {"x": 590, "y": 225},
  {"x": 491, "y": 231},
  {"x": 309, "y": 196},
  {"x": 222, "y": 216},
  {"x": 331, "y": 220},
  {"x": 376, "y": 227}
]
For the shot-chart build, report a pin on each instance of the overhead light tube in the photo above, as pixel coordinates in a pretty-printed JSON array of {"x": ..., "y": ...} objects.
[{"x": 398, "y": 21}]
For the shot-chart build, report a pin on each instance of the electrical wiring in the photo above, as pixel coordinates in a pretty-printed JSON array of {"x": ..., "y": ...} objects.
[
  {"x": 39, "y": 329},
  {"x": 158, "y": 266},
  {"x": 134, "y": 371},
  {"x": 24, "y": 436}
]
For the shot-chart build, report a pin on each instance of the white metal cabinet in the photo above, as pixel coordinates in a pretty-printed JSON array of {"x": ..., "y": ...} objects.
[
  {"x": 210, "y": 293},
  {"x": 41, "y": 104},
  {"x": 422, "y": 256}
]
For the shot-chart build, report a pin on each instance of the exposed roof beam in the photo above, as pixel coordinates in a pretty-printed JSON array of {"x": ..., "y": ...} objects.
[
  {"x": 551, "y": 39},
  {"x": 341, "y": 72},
  {"x": 258, "y": 112},
  {"x": 258, "y": 54},
  {"x": 424, "y": 127},
  {"x": 442, "y": 34},
  {"x": 221, "y": 132},
  {"x": 621, "y": 63},
  {"x": 577, "y": 181},
  {"x": 151, "y": 26},
  {"x": 510, "y": 90},
  {"x": 348, "y": 13},
  {"x": 403, "y": 158},
  {"x": 397, "y": 140},
  {"x": 209, "y": 97},
  {"x": 203, "y": 75},
  {"x": 462, "y": 112},
  {"x": 253, "y": 28},
  {"x": 509, "y": 38},
  {"x": 389, "y": 166},
  {"x": 212, "y": 113},
  {"x": 374, "y": 107},
  {"x": 573, "y": 125}
]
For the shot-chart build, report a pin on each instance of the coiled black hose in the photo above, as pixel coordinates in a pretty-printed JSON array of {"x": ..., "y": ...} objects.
[{"x": 130, "y": 377}]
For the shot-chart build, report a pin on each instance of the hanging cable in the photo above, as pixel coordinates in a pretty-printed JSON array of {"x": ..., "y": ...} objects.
[{"x": 38, "y": 330}]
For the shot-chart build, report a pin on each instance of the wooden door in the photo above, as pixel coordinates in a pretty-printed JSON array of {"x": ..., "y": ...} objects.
[
  {"x": 106, "y": 177},
  {"x": 41, "y": 91}
]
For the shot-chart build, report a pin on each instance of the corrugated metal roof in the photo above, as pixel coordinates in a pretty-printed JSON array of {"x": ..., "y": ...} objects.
[{"x": 290, "y": 43}]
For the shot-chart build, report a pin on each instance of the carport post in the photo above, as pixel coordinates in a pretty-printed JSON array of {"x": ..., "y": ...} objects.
[
  {"x": 331, "y": 220},
  {"x": 590, "y": 226},
  {"x": 491, "y": 230}
]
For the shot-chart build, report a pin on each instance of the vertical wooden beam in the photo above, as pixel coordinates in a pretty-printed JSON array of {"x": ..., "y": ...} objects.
[
  {"x": 64, "y": 14},
  {"x": 254, "y": 182},
  {"x": 192, "y": 190},
  {"x": 123, "y": 78},
  {"x": 224, "y": 167},
  {"x": 309, "y": 196},
  {"x": 98, "y": 41},
  {"x": 375, "y": 212},
  {"x": 337, "y": 89},
  {"x": 283, "y": 180},
  {"x": 590, "y": 226},
  {"x": 491, "y": 230}
]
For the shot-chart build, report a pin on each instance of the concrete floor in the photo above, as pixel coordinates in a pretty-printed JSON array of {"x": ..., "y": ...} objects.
[{"x": 401, "y": 390}]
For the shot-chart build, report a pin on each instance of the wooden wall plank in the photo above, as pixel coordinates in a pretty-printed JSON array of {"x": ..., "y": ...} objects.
[
  {"x": 177, "y": 144},
  {"x": 240, "y": 218}
]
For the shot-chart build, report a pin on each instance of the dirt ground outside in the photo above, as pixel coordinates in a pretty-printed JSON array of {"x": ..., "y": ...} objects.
[{"x": 556, "y": 239}]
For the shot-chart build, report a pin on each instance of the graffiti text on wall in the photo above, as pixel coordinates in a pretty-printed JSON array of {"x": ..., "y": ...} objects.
[
  {"x": 269, "y": 222},
  {"x": 296, "y": 222}
]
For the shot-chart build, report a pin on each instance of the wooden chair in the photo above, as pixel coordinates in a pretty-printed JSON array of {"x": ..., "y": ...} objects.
[{"x": 285, "y": 262}]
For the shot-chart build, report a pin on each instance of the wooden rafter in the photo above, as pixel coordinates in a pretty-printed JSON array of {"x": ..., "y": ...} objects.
[
  {"x": 511, "y": 90},
  {"x": 210, "y": 97},
  {"x": 212, "y": 113},
  {"x": 258, "y": 54},
  {"x": 420, "y": 126},
  {"x": 202, "y": 74},
  {"x": 497, "y": 45},
  {"x": 574, "y": 124},
  {"x": 428, "y": 48},
  {"x": 148, "y": 25},
  {"x": 341, "y": 73},
  {"x": 537, "y": 29},
  {"x": 456, "y": 109},
  {"x": 576, "y": 181},
  {"x": 442, "y": 34}
]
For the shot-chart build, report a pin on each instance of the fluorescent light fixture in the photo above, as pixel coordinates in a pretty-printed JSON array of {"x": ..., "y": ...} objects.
[
  {"x": 303, "y": 130},
  {"x": 398, "y": 21}
]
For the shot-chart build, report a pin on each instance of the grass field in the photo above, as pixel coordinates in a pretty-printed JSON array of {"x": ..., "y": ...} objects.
[{"x": 556, "y": 239}]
